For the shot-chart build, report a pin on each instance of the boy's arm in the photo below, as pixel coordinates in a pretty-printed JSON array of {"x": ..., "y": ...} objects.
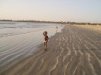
[{"x": 48, "y": 37}]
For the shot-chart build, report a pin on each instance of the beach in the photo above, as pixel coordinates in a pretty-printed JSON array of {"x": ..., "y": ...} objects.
[{"x": 76, "y": 50}]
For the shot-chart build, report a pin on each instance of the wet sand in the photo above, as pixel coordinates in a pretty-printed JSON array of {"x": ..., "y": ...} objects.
[{"x": 74, "y": 51}]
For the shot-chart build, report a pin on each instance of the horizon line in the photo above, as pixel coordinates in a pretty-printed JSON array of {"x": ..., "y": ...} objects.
[{"x": 29, "y": 20}]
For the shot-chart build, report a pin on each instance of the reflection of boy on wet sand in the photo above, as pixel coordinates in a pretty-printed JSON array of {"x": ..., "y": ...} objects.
[{"x": 45, "y": 39}]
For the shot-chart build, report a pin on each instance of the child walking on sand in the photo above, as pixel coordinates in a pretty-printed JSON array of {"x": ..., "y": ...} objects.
[{"x": 45, "y": 39}]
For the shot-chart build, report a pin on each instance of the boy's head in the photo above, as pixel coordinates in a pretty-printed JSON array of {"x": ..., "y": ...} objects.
[{"x": 45, "y": 33}]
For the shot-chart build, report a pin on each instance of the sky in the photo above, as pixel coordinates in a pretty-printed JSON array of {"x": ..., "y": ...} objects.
[{"x": 51, "y": 10}]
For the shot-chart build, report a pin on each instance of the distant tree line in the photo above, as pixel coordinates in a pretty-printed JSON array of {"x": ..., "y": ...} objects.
[
  {"x": 60, "y": 22},
  {"x": 81, "y": 23}
]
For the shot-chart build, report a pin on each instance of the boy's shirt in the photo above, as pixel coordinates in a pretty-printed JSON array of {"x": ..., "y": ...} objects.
[{"x": 46, "y": 38}]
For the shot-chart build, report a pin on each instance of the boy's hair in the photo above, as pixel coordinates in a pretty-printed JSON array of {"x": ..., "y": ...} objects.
[{"x": 45, "y": 32}]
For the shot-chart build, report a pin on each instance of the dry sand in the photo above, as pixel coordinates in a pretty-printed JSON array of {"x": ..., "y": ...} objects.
[
  {"x": 74, "y": 51},
  {"x": 91, "y": 27}
]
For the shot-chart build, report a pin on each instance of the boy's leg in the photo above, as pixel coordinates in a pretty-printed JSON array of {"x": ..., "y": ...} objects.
[{"x": 46, "y": 45}]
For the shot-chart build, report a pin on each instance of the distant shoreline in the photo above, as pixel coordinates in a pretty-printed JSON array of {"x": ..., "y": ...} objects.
[
  {"x": 58, "y": 22},
  {"x": 32, "y": 21}
]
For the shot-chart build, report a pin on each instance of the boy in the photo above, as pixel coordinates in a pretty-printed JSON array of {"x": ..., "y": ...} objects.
[{"x": 45, "y": 39}]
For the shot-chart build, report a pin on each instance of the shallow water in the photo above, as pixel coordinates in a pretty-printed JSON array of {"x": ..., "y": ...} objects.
[{"x": 18, "y": 40}]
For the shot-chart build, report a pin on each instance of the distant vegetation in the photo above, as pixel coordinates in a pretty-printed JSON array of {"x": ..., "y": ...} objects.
[
  {"x": 60, "y": 22},
  {"x": 83, "y": 23}
]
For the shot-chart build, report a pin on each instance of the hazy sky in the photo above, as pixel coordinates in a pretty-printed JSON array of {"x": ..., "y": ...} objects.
[{"x": 52, "y": 10}]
